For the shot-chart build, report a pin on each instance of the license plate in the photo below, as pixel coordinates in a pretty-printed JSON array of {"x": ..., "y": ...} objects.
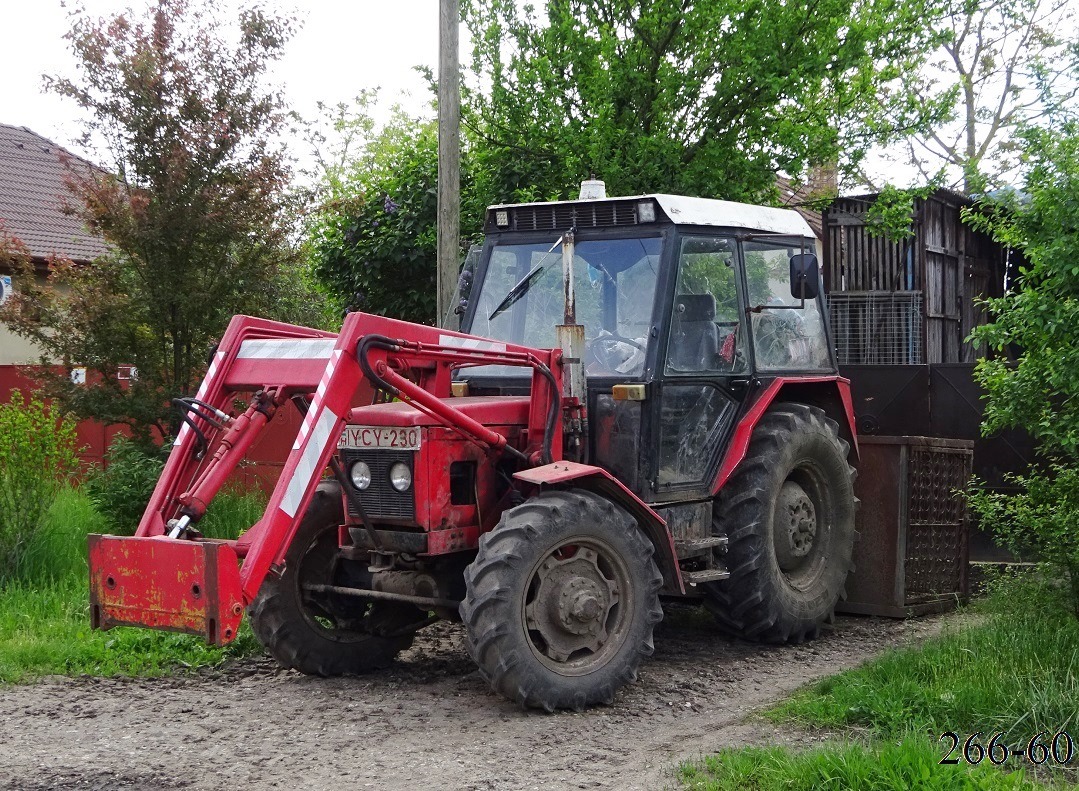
[{"x": 386, "y": 437}]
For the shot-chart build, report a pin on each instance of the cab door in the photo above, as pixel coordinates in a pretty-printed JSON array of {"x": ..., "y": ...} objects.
[{"x": 705, "y": 368}]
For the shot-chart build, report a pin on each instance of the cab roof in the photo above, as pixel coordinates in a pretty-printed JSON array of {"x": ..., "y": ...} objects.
[{"x": 625, "y": 211}]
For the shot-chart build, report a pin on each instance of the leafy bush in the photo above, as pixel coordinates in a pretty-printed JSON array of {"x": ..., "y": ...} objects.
[
  {"x": 121, "y": 489},
  {"x": 38, "y": 455},
  {"x": 374, "y": 238},
  {"x": 1041, "y": 517},
  {"x": 1038, "y": 315}
]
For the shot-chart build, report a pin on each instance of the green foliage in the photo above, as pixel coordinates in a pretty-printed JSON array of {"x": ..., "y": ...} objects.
[
  {"x": 45, "y": 630},
  {"x": 375, "y": 237},
  {"x": 232, "y": 512},
  {"x": 1039, "y": 519},
  {"x": 38, "y": 454},
  {"x": 121, "y": 488},
  {"x": 911, "y": 764},
  {"x": 892, "y": 214},
  {"x": 1039, "y": 318},
  {"x": 1040, "y": 315},
  {"x": 44, "y": 613},
  {"x": 58, "y": 550},
  {"x": 1017, "y": 673},
  {"x": 193, "y": 207},
  {"x": 709, "y": 98}
]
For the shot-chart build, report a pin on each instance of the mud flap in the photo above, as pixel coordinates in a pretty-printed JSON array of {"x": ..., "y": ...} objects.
[{"x": 162, "y": 583}]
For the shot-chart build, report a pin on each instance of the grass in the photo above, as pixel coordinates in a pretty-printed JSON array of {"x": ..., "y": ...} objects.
[
  {"x": 1015, "y": 671},
  {"x": 44, "y": 611},
  {"x": 45, "y": 630},
  {"x": 58, "y": 550},
  {"x": 909, "y": 765},
  {"x": 231, "y": 513}
]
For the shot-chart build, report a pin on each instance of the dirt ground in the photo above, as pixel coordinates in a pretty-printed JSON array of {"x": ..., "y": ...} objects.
[{"x": 428, "y": 722}]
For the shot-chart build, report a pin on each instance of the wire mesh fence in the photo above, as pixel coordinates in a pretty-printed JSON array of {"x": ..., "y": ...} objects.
[{"x": 877, "y": 327}]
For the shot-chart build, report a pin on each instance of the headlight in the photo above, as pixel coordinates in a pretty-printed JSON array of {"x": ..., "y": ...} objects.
[
  {"x": 360, "y": 474},
  {"x": 400, "y": 476}
]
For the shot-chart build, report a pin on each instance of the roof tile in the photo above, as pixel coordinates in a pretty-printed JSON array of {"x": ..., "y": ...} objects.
[{"x": 33, "y": 196}]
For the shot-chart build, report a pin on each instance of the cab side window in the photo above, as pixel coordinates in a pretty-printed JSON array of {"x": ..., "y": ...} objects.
[
  {"x": 786, "y": 334},
  {"x": 705, "y": 329}
]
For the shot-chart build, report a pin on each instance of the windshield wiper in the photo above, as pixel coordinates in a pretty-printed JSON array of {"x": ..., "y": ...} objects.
[{"x": 525, "y": 283}]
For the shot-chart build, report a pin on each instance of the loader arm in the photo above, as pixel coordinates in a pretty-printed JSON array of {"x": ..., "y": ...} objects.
[{"x": 167, "y": 576}]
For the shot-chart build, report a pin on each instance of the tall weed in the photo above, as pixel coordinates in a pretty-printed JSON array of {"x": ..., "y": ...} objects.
[
  {"x": 58, "y": 550},
  {"x": 38, "y": 456}
]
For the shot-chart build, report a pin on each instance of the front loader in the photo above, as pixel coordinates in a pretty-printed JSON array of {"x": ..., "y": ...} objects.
[{"x": 643, "y": 401}]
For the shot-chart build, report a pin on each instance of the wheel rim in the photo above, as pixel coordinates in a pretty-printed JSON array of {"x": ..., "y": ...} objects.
[
  {"x": 575, "y": 606},
  {"x": 801, "y": 526},
  {"x": 324, "y": 612}
]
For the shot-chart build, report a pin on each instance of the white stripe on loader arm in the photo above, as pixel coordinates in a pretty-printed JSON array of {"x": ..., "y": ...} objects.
[
  {"x": 286, "y": 349},
  {"x": 308, "y": 466},
  {"x": 470, "y": 343},
  {"x": 305, "y": 426}
]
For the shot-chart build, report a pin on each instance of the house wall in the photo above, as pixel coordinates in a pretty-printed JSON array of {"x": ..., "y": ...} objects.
[{"x": 16, "y": 350}]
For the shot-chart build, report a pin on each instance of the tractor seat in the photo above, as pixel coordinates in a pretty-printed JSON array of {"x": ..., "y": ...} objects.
[{"x": 694, "y": 336}]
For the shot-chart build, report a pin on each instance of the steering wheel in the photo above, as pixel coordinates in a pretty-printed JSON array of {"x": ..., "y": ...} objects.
[{"x": 600, "y": 348}]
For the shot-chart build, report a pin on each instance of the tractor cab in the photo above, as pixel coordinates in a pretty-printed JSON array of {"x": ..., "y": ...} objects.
[{"x": 689, "y": 306}]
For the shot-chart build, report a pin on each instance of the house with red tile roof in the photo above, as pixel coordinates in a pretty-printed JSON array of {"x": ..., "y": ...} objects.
[{"x": 35, "y": 208}]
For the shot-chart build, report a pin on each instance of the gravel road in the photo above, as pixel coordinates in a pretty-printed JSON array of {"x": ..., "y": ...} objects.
[{"x": 428, "y": 722}]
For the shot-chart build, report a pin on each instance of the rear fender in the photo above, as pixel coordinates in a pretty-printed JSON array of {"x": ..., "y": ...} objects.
[
  {"x": 829, "y": 393},
  {"x": 598, "y": 480}
]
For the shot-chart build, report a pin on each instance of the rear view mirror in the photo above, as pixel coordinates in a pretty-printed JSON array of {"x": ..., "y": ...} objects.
[{"x": 805, "y": 279}]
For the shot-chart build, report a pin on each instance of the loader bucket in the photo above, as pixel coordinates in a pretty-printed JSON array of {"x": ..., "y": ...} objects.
[{"x": 163, "y": 583}]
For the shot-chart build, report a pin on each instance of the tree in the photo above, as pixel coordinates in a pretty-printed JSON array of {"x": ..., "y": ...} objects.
[
  {"x": 1039, "y": 391},
  {"x": 709, "y": 98},
  {"x": 1008, "y": 63},
  {"x": 194, "y": 207},
  {"x": 374, "y": 238}
]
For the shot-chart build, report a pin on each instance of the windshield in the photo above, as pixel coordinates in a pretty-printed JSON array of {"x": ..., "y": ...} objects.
[{"x": 521, "y": 300}]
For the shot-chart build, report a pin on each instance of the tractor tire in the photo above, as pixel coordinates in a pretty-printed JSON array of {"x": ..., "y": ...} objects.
[
  {"x": 561, "y": 601},
  {"x": 331, "y": 636},
  {"x": 788, "y": 514}
]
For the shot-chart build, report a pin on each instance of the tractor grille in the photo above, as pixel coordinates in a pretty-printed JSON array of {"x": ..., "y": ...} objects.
[
  {"x": 381, "y": 500},
  {"x": 563, "y": 216}
]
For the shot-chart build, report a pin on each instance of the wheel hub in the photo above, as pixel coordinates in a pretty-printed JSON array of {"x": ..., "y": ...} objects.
[
  {"x": 571, "y": 605},
  {"x": 794, "y": 527}
]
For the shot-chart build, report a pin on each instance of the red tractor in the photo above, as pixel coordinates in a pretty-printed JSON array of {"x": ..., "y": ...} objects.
[{"x": 643, "y": 402}]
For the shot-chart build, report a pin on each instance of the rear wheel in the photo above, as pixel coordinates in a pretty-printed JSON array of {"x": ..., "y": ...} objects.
[
  {"x": 561, "y": 601},
  {"x": 316, "y": 633},
  {"x": 788, "y": 513}
]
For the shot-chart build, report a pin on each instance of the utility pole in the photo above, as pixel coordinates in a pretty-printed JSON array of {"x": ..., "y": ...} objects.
[{"x": 449, "y": 154}]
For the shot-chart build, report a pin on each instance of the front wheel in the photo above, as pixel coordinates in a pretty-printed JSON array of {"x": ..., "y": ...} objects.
[
  {"x": 319, "y": 634},
  {"x": 788, "y": 513},
  {"x": 561, "y": 601}
]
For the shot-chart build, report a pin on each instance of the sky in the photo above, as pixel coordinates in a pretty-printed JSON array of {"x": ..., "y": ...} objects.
[{"x": 343, "y": 46}]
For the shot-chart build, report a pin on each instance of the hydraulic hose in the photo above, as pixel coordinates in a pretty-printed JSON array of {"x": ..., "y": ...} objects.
[{"x": 369, "y": 342}]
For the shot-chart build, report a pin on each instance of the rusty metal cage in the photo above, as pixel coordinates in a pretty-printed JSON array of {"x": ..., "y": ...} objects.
[{"x": 912, "y": 551}]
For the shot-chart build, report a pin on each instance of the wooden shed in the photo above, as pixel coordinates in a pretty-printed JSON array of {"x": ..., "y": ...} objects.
[{"x": 913, "y": 300}]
